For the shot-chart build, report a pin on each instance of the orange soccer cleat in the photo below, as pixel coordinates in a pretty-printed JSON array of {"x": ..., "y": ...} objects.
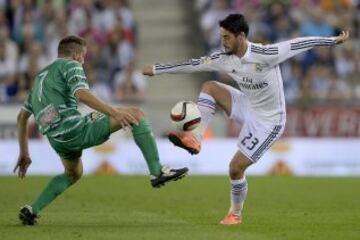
[
  {"x": 231, "y": 219},
  {"x": 185, "y": 140}
]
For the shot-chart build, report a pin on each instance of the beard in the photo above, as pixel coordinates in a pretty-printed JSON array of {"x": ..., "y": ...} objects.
[
  {"x": 232, "y": 50},
  {"x": 228, "y": 52}
]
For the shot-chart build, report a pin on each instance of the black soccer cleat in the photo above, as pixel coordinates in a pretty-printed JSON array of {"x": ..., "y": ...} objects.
[
  {"x": 26, "y": 216},
  {"x": 167, "y": 175}
]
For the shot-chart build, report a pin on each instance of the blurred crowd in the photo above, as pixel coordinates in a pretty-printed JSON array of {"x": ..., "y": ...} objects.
[
  {"x": 322, "y": 75},
  {"x": 30, "y": 31}
]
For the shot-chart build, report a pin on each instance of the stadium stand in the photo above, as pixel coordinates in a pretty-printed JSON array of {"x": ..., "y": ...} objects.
[{"x": 122, "y": 37}]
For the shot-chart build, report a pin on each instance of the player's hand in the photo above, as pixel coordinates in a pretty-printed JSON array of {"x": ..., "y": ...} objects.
[
  {"x": 22, "y": 165},
  {"x": 148, "y": 70},
  {"x": 125, "y": 119},
  {"x": 344, "y": 35}
]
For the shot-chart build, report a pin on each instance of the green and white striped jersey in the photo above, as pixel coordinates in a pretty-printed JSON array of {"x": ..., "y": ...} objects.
[{"x": 52, "y": 99}]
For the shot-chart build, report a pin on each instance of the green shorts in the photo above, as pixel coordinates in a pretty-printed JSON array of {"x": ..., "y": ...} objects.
[{"x": 95, "y": 130}]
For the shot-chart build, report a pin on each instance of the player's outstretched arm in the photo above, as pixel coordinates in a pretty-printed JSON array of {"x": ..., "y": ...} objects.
[
  {"x": 203, "y": 64},
  {"x": 24, "y": 160},
  {"x": 122, "y": 116},
  {"x": 277, "y": 53}
]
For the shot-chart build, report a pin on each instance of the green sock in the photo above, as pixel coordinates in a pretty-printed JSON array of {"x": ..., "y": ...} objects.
[
  {"x": 144, "y": 138},
  {"x": 56, "y": 186}
]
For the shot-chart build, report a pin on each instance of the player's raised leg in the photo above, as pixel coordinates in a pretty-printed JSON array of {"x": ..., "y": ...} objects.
[
  {"x": 73, "y": 171},
  {"x": 239, "y": 188},
  {"x": 145, "y": 140},
  {"x": 212, "y": 94}
]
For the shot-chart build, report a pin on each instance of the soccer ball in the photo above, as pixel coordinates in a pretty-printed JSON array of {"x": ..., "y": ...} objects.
[{"x": 185, "y": 116}]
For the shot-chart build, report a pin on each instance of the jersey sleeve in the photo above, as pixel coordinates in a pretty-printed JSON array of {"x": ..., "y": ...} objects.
[
  {"x": 27, "y": 106},
  {"x": 75, "y": 76},
  {"x": 203, "y": 64},
  {"x": 277, "y": 53}
]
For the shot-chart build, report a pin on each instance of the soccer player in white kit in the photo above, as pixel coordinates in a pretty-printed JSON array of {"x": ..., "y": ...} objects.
[{"x": 258, "y": 103}]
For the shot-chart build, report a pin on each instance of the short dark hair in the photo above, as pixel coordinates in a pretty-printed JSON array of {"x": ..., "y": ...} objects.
[
  {"x": 235, "y": 23},
  {"x": 71, "y": 44}
]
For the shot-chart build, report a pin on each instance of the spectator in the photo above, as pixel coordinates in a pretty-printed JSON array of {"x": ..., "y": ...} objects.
[
  {"x": 79, "y": 15},
  {"x": 210, "y": 23},
  {"x": 27, "y": 23},
  {"x": 110, "y": 30},
  {"x": 130, "y": 85},
  {"x": 292, "y": 83},
  {"x": 8, "y": 61},
  {"x": 30, "y": 63},
  {"x": 100, "y": 88},
  {"x": 339, "y": 88},
  {"x": 105, "y": 15},
  {"x": 125, "y": 14},
  {"x": 118, "y": 53},
  {"x": 97, "y": 70},
  {"x": 320, "y": 81},
  {"x": 54, "y": 32},
  {"x": 314, "y": 24},
  {"x": 345, "y": 61},
  {"x": 12, "y": 50}
]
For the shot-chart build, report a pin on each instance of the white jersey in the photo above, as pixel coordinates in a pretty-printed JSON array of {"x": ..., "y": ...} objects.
[{"x": 257, "y": 73}]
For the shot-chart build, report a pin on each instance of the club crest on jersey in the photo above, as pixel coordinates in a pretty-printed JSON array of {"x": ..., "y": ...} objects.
[{"x": 258, "y": 67}]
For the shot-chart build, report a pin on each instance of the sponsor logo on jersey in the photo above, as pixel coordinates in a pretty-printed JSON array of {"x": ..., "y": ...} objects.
[
  {"x": 253, "y": 86},
  {"x": 247, "y": 79}
]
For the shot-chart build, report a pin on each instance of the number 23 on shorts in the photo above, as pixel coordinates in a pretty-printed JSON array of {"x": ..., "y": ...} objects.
[{"x": 249, "y": 141}]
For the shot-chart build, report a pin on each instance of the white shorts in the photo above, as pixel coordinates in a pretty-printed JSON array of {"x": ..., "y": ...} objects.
[{"x": 256, "y": 136}]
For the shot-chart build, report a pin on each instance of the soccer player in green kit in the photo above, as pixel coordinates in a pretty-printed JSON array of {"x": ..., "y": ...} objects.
[{"x": 53, "y": 101}]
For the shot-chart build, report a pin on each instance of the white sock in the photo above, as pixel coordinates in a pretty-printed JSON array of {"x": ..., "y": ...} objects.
[
  {"x": 238, "y": 193},
  {"x": 207, "y": 106}
]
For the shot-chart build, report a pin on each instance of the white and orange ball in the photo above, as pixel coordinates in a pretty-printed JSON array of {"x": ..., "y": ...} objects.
[{"x": 185, "y": 116}]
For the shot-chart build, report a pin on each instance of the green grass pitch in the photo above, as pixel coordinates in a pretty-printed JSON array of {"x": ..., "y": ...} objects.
[{"x": 126, "y": 207}]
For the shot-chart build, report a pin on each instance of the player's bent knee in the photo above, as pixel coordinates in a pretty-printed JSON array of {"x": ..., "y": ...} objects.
[
  {"x": 235, "y": 172},
  {"x": 74, "y": 175},
  {"x": 137, "y": 112},
  {"x": 209, "y": 87},
  {"x": 237, "y": 169},
  {"x": 73, "y": 169}
]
